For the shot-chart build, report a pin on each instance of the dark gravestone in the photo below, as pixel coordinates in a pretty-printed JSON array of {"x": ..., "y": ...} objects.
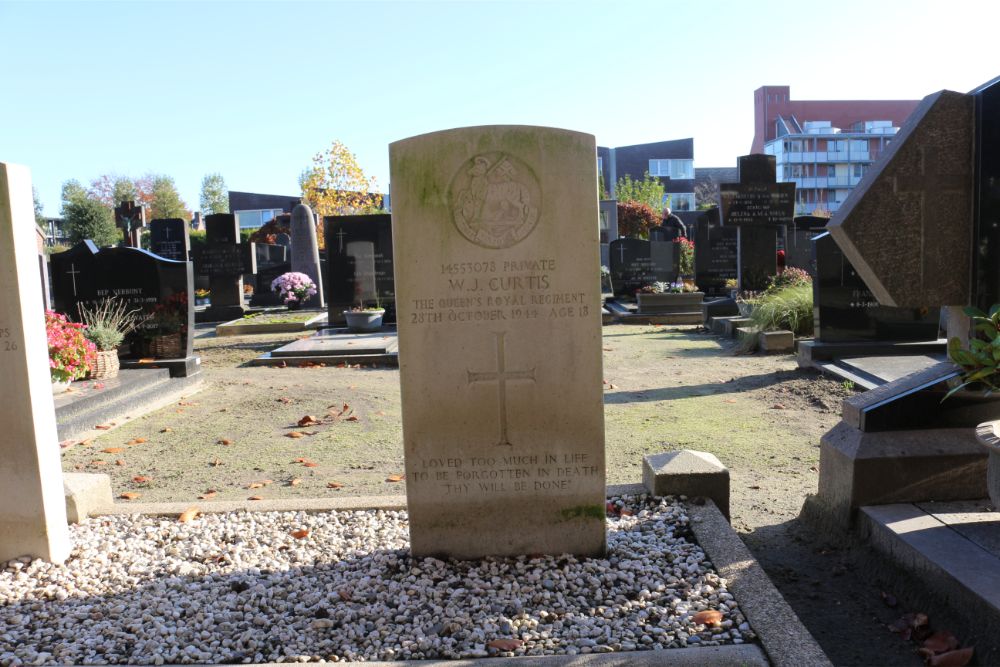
[
  {"x": 636, "y": 263},
  {"x": 161, "y": 288},
  {"x": 283, "y": 239},
  {"x": 272, "y": 261},
  {"x": 844, "y": 309},
  {"x": 608, "y": 227},
  {"x": 798, "y": 241},
  {"x": 130, "y": 219},
  {"x": 224, "y": 260},
  {"x": 359, "y": 268},
  {"x": 758, "y": 207},
  {"x": 714, "y": 254},
  {"x": 168, "y": 238}
]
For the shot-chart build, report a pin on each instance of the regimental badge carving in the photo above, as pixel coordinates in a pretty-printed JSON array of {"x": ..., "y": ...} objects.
[{"x": 495, "y": 200}]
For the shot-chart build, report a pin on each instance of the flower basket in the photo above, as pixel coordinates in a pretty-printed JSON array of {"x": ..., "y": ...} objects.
[
  {"x": 106, "y": 365},
  {"x": 166, "y": 347}
]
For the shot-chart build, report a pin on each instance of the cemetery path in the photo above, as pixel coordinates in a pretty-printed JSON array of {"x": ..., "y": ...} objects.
[{"x": 665, "y": 388}]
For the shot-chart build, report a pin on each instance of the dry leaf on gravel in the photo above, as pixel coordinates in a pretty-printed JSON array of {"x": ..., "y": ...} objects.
[
  {"x": 188, "y": 515},
  {"x": 255, "y": 498},
  {"x": 707, "y": 617},
  {"x": 294, "y": 482},
  {"x": 166, "y": 429},
  {"x": 293, "y": 434},
  {"x": 225, "y": 441},
  {"x": 308, "y": 420},
  {"x": 98, "y": 462},
  {"x": 505, "y": 644},
  {"x": 129, "y": 495},
  {"x": 119, "y": 462},
  {"x": 102, "y": 427},
  {"x": 940, "y": 642},
  {"x": 300, "y": 534},
  {"x": 334, "y": 485},
  {"x": 395, "y": 478},
  {"x": 211, "y": 493},
  {"x": 142, "y": 479},
  {"x": 255, "y": 485},
  {"x": 310, "y": 464},
  {"x": 216, "y": 463},
  {"x": 112, "y": 450}
]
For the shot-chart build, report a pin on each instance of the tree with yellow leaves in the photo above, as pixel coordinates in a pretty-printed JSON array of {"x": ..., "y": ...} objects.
[{"x": 336, "y": 185}]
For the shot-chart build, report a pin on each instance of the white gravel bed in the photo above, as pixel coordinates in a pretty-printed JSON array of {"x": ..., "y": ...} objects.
[{"x": 239, "y": 587}]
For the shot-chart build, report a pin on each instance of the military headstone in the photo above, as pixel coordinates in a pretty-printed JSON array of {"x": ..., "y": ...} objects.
[
  {"x": 130, "y": 218},
  {"x": 757, "y": 206},
  {"x": 32, "y": 505},
  {"x": 844, "y": 309},
  {"x": 169, "y": 238},
  {"x": 714, "y": 254},
  {"x": 359, "y": 268},
  {"x": 305, "y": 251},
  {"x": 495, "y": 253},
  {"x": 224, "y": 260},
  {"x": 162, "y": 289}
]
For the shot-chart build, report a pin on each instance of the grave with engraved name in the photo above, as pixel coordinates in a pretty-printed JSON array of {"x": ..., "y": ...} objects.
[
  {"x": 224, "y": 260},
  {"x": 162, "y": 289},
  {"x": 169, "y": 238},
  {"x": 758, "y": 207},
  {"x": 359, "y": 267},
  {"x": 636, "y": 263},
  {"x": 714, "y": 254},
  {"x": 272, "y": 261},
  {"x": 498, "y": 309},
  {"x": 798, "y": 241}
]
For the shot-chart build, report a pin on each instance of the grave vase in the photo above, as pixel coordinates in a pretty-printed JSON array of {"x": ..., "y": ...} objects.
[
  {"x": 988, "y": 435},
  {"x": 364, "y": 320}
]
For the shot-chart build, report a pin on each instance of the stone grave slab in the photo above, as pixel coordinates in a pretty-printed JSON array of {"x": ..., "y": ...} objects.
[
  {"x": 32, "y": 509},
  {"x": 344, "y": 343},
  {"x": 359, "y": 266},
  {"x": 499, "y": 314}
]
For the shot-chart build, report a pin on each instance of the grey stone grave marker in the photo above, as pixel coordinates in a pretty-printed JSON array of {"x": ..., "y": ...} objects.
[{"x": 305, "y": 252}]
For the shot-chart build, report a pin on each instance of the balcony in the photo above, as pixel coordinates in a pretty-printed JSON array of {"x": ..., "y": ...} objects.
[
  {"x": 823, "y": 182},
  {"x": 826, "y": 156}
]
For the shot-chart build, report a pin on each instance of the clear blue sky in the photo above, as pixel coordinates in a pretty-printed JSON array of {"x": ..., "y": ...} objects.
[{"x": 253, "y": 89}]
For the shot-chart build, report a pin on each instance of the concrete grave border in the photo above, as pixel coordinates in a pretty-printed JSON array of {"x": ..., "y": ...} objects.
[{"x": 245, "y": 327}]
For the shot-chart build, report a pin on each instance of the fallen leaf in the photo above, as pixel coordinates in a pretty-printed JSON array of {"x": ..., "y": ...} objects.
[
  {"x": 505, "y": 644},
  {"x": 352, "y": 418},
  {"x": 293, "y": 434},
  {"x": 225, "y": 441},
  {"x": 141, "y": 479},
  {"x": 300, "y": 534},
  {"x": 216, "y": 463},
  {"x": 166, "y": 429},
  {"x": 729, "y": 400},
  {"x": 754, "y": 487},
  {"x": 224, "y": 410},
  {"x": 66, "y": 443},
  {"x": 607, "y": 349},
  {"x": 284, "y": 399},
  {"x": 112, "y": 450},
  {"x": 255, "y": 498},
  {"x": 119, "y": 462},
  {"x": 310, "y": 464},
  {"x": 255, "y": 485},
  {"x": 129, "y": 495},
  {"x": 344, "y": 595},
  {"x": 294, "y": 482},
  {"x": 300, "y": 460},
  {"x": 334, "y": 485},
  {"x": 707, "y": 617},
  {"x": 940, "y": 642},
  {"x": 265, "y": 482},
  {"x": 381, "y": 412},
  {"x": 102, "y": 427},
  {"x": 138, "y": 441},
  {"x": 959, "y": 658},
  {"x": 87, "y": 442},
  {"x": 188, "y": 514},
  {"x": 395, "y": 478},
  {"x": 98, "y": 463},
  {"x": 777, "y": 406},
  {"x": 211, "y": 493},
  {"x": 308, "y": 420},
  {"x": 188, "y": 403}
]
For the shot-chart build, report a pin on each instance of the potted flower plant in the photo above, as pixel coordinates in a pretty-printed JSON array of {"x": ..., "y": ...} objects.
[
  {"x": 107, "y": 324},
  {"x": 71, "y": 355},
  {"x": 293, "y": 288},
  {"x": 362, "y": 318},
  {"x": 980, "y": 366}
]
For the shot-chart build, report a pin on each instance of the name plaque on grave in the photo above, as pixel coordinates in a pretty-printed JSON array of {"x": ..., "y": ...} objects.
[
  {"x": 498, "y": 306},
  {"x": 223, "y": 260}
]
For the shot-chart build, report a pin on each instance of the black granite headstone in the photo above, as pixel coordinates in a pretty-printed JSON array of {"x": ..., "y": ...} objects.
[
  {"x": 714, "y": 254},
  {"x": 169, "y": 238},
  {"x": 758, "y": 207},
  {"x": 798, "y": 241},
  {"x": 161, "y": 288},
  {"x": 636, "y": 263},
  {"x": 844, "y": 309},
  {"x": 272, "y": 261},
  {"x": 359, "y": 267},
  {"x": 224, "y": 260}
]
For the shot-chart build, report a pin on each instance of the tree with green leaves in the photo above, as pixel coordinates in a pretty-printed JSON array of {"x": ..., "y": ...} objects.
[
  {"x": 72, "y": 192},
  {"x": 87, "y": 218},
  {"x": 648, "y": 191},
  {"x": 214, "y": 194},
  {"x": 39, "y": 217},
  {"x": 165, "y": 201},
  {"x": 112, "y": 189}
]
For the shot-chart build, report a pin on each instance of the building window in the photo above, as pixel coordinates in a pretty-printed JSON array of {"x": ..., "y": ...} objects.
[
  {"x": 859, "y": 170},
  {"x": 680, "y": 201},
  {"x": 672, "y": 168},
  {"x": 254, "y": 219}
]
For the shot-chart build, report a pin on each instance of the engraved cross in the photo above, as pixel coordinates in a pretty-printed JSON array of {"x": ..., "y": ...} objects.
[
  {"x": 72, "y": 274},
  {"x": 621, "y": 253},
  {"x": 340, "y": 236},
  {"x": 501, "y": 376}
]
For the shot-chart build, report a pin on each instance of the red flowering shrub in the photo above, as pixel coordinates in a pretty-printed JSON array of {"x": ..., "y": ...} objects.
[
  {"x": 686, "y": 247},
  {"x": 71, "y": 355},
  {"x": 635, "y": 219}
]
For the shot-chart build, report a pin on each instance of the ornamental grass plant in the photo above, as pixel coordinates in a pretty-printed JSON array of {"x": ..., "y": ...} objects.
[{"x": 109, "y": 321}]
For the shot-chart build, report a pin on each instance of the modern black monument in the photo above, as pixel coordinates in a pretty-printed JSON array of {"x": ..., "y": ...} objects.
[
  {"x": 224, "y": 260},
  {"x": 359, "y": 268},
  {"x": 169, "y": 238}
]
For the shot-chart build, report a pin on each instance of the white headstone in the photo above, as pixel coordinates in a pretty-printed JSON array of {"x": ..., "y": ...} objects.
[
  {"x": 32, "y": 504},
  {"x": 495, "y": 244}
]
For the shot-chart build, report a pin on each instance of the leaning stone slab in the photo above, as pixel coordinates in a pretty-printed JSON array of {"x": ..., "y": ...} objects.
[
  {"x": 499, "y": 318},
  {"x": 87, "y": 494},
  {"x": 687, "y": 473}
]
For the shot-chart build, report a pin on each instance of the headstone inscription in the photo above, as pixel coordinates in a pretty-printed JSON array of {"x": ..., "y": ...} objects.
[
  {"x": 844, "y": 309},
  {"x": 130, "y": 218},
  {"x": 359, "y": 268},
  {"x": 161, "y": 288},
  {"x": 224, "y": 260},
  {"x": 758, "y": 207},
  {"x": 305, "y": 251},
  {"x": 32, "y": 505},
  {"x": 638, "y": 262},
  {"x": 798, "y": 241},
  {"x": 714, "y": 254},
  {"x": 169, "y": 238},
  {"x": 500, "y": 341},
  {"x": 272, "y": 261}
]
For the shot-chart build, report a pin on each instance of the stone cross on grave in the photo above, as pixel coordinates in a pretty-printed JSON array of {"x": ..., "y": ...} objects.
[
  {"x": 922, "y": 228},
  {"x": 130, "y": 219},
  {"x": 501, "y": 376},
  {"x": 758, "y": 207}
]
